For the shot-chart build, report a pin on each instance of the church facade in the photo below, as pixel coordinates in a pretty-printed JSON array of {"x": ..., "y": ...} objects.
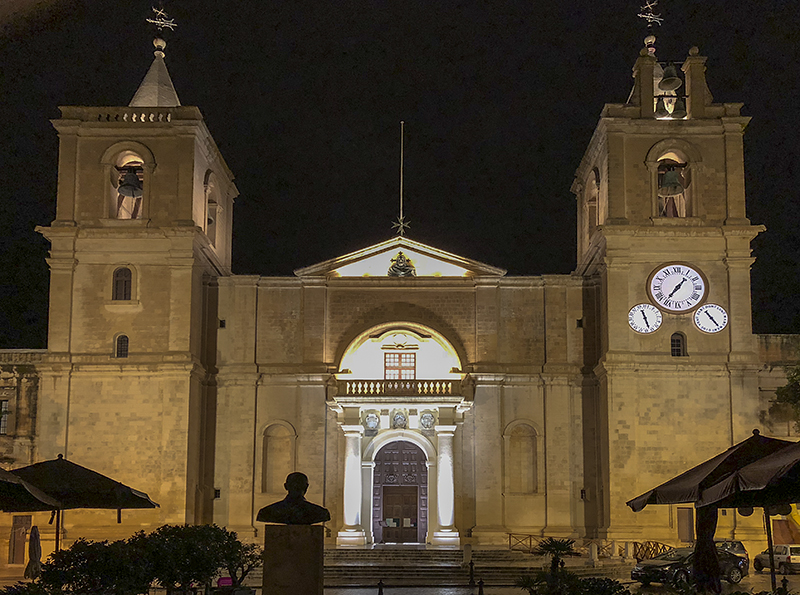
[{"x": 429, "y": 398}]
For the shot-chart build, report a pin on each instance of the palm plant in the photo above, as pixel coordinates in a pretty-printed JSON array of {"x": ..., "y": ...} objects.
[{"x": 557, "y": 549}]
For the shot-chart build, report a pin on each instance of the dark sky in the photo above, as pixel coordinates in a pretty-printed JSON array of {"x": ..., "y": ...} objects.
[{"x": 304, "y": 99}]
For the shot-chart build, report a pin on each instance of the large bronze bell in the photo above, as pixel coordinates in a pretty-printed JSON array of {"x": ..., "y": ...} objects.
[
  {"x": 679, "y": 109},
  {"x": 661, "y": 109},
  {"x": 130, "y": 185},
  {"x": 670, "y": 184},
  {"x": 670, "y": 81}
]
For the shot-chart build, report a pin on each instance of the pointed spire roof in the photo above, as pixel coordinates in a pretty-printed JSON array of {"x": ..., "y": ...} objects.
[{"x": 156, "y": 89}]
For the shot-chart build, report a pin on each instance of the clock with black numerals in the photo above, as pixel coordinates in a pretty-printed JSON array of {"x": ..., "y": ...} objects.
[
  {"x": 710, "y": 318},
  {"x": 677, "y": 287}
]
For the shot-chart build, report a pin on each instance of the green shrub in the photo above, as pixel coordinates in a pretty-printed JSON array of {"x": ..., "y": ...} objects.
[
  {"x": 32, "y": 588},
  {"x": 176, "y": 556},
  {"x": 567, "y": 583},
  {"x": 96, "y": 567}
]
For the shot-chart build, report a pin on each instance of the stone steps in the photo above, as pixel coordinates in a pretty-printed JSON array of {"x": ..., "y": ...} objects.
[{"x": 410, "y": 566}]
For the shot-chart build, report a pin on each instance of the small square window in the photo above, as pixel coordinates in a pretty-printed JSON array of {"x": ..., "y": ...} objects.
[{"x": 400, "y": 366}]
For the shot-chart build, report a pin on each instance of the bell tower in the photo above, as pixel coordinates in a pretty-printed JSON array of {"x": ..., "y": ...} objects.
[
  {"x": 141, "y": 235},
  {"x": 664, "y": 250}
]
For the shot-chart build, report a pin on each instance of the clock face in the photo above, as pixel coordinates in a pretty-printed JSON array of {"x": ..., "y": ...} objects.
[
  {"x": 644, "y": 318},
  {"x": 711, "y": 318},
  {"x": 677, "y": 287}
]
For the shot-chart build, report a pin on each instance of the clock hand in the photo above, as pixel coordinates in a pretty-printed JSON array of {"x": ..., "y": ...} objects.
[
  {"x": 711, "y": 317},
  {"x": 647, "y": 324},
  {"x": 677, "y": 287}
]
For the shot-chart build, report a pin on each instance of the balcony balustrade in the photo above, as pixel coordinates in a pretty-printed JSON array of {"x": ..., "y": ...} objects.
[{"x": 399, "y": 388}]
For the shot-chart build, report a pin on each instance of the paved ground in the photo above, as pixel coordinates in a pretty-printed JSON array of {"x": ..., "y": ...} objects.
[
  {"x": 751, "y": 584},
  {"x": 754, "y": 583}
]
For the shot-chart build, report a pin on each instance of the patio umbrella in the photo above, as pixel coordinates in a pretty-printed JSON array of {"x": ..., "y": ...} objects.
[
  {"x": 768, "y": 482},
  {"x": 17, "y": 495},
  {"x": 689, "y": 486},
  {"x": 75, "y": 486},
  {"x": 34, "y": 568}
]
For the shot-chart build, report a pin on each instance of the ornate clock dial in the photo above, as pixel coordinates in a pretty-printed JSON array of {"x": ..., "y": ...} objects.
[
  {"x": 644, "y": 318},
  {"x": 711, "y": 318},
  {"x": 677, "y": 287}
]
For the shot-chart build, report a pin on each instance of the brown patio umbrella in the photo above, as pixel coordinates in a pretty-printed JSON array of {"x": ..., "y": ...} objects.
[
  {"x": 75, "y": 486},
  {"x": 689, "y": 486},
  {"x": 767, "y": 483},
  {"x": 17, "y": 495}
]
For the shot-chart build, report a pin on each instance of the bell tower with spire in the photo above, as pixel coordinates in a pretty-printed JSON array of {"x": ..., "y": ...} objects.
[
  {"x": 664, "y": 250},
  {"x": 141, "y": 235}
]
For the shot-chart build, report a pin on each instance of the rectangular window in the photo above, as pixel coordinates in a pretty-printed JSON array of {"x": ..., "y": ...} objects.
[
  {"x": 400, "y": 366},
  {"x": 4, "y": 417}
]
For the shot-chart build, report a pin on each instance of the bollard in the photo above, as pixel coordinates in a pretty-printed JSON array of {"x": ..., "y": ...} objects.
[
  {"x": 480, "y": 587},
  {"x": 380, "y": 587},
  {"x": 471, "y": 573}
]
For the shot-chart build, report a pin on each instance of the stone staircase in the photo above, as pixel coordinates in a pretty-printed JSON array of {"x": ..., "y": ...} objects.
[{"x": 410, "y": 566}]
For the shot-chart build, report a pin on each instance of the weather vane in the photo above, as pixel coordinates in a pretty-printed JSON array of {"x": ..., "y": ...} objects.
[
  {"x": 400, "y": 225},
  {"x": 647, "y": 13},
  {"x": 162, "y": 20}
]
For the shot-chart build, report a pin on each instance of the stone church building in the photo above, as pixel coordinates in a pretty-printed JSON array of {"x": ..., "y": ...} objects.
[{"x": 429, "y": 397}]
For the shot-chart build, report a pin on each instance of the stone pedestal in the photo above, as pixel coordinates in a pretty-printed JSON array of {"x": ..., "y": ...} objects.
[{"x": 293, "y": 560}]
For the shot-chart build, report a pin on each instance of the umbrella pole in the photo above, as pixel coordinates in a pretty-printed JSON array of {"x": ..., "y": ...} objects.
[
  {"x": 768, "y": 523},
  {"x": 58, "y": 529}
]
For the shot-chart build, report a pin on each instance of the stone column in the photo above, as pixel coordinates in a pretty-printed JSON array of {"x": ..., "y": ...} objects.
[
  {"x": 352, "y": 533},
  {"x": 447, "y": 534}
]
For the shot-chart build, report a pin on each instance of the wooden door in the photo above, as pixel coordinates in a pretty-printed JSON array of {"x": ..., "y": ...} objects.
[
  {"x": 399, "y": 464},
  {"x": 400, "y": 513},
  {"x": 686, "y": 524},
  {"x": 19, "y": 533}
]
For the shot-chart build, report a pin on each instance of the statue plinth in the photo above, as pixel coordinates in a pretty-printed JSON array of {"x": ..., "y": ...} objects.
[{"x": 293, "y": 560}]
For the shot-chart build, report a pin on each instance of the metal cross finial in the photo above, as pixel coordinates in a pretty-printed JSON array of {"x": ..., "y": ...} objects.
[
  {"x": 401, "y": 225},
  {"x": 648, "y": 15},
  {"x": 162, "y": 21}
]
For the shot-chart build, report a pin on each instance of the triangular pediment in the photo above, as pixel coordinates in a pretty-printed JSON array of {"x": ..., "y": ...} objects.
[{"x": 375, "y": 261}]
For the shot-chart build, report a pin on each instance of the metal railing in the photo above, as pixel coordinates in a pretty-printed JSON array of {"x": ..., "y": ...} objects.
[{"x": 604, "y": 548}]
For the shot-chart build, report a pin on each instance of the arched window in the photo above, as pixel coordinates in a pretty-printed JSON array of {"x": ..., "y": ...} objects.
[
  {"x": 122, "y": 284},
  {"x": 521, "y": 460},
  {"x": 678, "y": 345},
  {"x": 121, "y": 346},
  {"x": 278, "y": 457}
]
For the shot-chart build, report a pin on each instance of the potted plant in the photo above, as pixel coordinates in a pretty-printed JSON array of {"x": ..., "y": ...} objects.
[{"x": 239, "y": 559}]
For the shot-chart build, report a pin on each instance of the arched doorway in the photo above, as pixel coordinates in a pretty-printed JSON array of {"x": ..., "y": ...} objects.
[{"x": 400, "y": 494}]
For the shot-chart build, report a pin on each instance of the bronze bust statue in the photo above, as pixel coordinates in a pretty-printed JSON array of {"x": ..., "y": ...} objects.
[{"x": 294, "y": 509}]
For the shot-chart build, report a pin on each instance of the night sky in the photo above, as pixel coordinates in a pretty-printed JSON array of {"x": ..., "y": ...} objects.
[{"x": 304, "y": 99}]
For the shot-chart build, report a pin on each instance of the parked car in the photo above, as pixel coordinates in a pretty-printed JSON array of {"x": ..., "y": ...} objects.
[
  {"x": 787, "y": 558},
  {"x": 674, "y": 567},
  {"x": 733, "y": 546}
]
